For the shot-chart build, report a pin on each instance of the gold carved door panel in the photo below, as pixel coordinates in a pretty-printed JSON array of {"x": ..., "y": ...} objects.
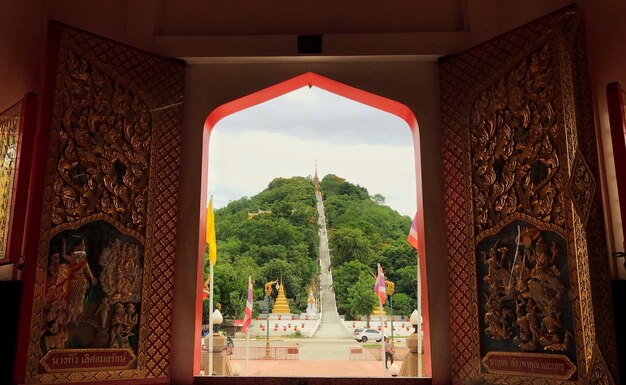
[
  {"x": 529, "y": 278},
  {"x": 102, "y": 306}
]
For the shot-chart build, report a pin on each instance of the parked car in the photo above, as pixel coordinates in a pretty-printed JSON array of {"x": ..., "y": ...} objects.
[{"x": 363, "y": 335}]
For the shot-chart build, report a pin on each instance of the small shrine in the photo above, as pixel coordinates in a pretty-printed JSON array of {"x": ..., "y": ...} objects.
[
  {"x": 259, "y": 212},
  {"x": 281, "y": 306},
  {"x": 311, "y": 309}
]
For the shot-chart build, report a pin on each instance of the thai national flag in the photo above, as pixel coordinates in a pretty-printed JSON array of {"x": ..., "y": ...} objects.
[
  {"x": 412, "y": 238},
  {"x": 248, "y": 317},
  {"x": 380, "y": 289}
]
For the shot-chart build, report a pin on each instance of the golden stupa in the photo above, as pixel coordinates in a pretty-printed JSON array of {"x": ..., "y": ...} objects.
[
  {"x": 311, "y": 299},
  {"x": 376, "y": 311},
  {"x": 281, "y": 306}
]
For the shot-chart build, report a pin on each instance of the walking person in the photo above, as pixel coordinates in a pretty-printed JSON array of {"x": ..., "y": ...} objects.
[{"x": 389, "y": 351}]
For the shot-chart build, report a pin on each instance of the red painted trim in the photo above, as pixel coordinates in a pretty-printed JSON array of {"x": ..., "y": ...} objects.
[
  {"x": 421, "y": 247},
  {"x": 615, "y": 105},
  {"x": 30, "y": 244},
  {"x": 200, "y": 260},
  {"x": 311, "y": 79}
]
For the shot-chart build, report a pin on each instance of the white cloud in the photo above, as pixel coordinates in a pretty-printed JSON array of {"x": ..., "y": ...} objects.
[{"x": 366, "y": 146}]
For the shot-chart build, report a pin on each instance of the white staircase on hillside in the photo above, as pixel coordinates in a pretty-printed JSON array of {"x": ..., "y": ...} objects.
[{"x": 331, "y": 325}]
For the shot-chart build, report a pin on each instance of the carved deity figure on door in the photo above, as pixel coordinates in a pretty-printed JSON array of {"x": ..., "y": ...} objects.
[{"x": 523, "y": 290}]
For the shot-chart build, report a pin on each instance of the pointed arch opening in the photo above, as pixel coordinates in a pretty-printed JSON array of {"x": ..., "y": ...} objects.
[{"x": 311, "y": 79}]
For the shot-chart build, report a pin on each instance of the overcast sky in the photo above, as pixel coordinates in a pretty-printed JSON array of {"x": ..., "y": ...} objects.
[{"x": 284, "y": 136}]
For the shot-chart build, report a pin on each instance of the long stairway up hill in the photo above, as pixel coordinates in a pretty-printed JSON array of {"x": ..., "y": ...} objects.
[{"x": 331, "y": 326}]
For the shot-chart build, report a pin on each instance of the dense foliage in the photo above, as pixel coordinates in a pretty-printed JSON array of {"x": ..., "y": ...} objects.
[
  {"x": 266, "y": 245},
  {"x": 364, "y": 232},
  {"x": 280, "y": 237}
]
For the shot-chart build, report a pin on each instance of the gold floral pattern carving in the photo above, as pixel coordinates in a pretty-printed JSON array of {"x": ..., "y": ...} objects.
[
  {"x": 582, "y": 186},
  {"x": 152, "y": 95},
  {"x": 598, "y": 371},
  {"x": 513, "y": 128},
  {"x": 485, "y": 70},
  {"x": 104, "y": 149},
  {"x": 587, "y": 324},
  {"x": 9, "y": 136}
]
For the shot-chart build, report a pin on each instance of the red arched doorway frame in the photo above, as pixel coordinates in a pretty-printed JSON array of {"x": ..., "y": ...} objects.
[{"x": 311, "y": 79}]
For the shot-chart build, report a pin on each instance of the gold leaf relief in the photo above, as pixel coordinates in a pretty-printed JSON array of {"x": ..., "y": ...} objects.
[
  {"x": 513, "y": 138},
  {"x": 103, "y": 103},
  {"x": 104, "y": 149},
  {"x": 582, "y": 186},
  {"x": 9, "y": 136},
  {"x": 599, "y": 373}
]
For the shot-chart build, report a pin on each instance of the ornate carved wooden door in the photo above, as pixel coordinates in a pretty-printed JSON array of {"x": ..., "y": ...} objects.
[
  {"x": 107, "y": 176},
  {"x": 527, "y": 256}
]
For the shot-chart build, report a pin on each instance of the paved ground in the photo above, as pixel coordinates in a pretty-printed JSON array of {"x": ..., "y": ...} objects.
[{"x": 318, "y": 358}]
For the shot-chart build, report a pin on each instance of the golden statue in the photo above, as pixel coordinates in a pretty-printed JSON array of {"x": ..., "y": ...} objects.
[
  {"x": 390, "y": 287},
  {"x": 77, "y": 281},
  {"x": 268, "y": 287}
]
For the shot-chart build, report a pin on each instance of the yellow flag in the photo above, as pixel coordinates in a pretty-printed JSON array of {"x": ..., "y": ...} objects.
[{"x": 210, "y": 232}]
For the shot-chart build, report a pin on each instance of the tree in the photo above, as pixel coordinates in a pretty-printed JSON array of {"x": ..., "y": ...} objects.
[
  {"x": 361, "y": 297},
  {"x": 407, "y": 280},
  {"x": 379, "y": 199},
  {"x": 403, "y": 304},
  {"x": 350, "y": 244},
  {"x": 344, "y": 277}
]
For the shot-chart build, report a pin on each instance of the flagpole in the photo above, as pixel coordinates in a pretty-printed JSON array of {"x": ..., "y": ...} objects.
[
  {"x": 247, "y": 349},
  {"x": 211, "y": 319},
  {"x": 382, "y": 340}
]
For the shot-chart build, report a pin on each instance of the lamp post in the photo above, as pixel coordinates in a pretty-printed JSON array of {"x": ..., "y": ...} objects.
[
  {"x": 268, "y": 294},
  {"x": 394, "y": 370},
  {"x": 217, "y": 320},
  {"x": 416, "y": 320},
  {"x": 390, "y": 290},
  {"x": 267, "y": 327},
  {"x": 215, "y": 360}
]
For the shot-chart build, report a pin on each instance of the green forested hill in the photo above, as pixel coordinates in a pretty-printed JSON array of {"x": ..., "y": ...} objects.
[
  {"x": 266, "y": 245},
  {"x": 364, "y": 232}
]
